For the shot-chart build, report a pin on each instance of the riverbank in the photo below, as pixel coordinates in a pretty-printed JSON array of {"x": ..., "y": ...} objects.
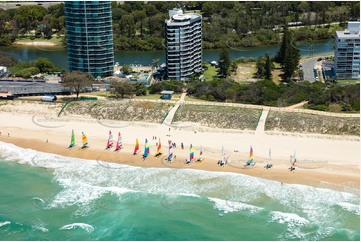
[
  {"x": 320, "y": 160},
  {"x": 35, "y": 43}
]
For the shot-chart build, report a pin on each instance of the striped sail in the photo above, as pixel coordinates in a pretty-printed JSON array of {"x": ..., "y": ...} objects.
[
  {"x": 72, "y": 141},
  {"x": 110, "y": 140},
  {"x": 84, "y": 139},
  {"x": 146, "y": 148},
  {"x": 191, "y": 153},
  {"x": 200, "y": 154},
  {"x": 119, "y": 144},
  {"x": 136, "y": 148},
  {"x": 251, "y": 155}
]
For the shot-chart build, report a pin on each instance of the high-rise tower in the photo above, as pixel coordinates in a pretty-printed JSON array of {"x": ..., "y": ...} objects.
[
  {"x": 347, "y": 52},
  {"x": 89, "y": 37},
  {"x": 183, "y": 44}
]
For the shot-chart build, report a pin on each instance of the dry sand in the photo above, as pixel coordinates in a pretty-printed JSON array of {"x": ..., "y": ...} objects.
[{"x": 334, "y": 159}]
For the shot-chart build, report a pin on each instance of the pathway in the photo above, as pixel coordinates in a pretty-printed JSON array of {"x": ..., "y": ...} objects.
[
  {"x": 169, "y": 119},
  {"x": 262, "y": 121}
]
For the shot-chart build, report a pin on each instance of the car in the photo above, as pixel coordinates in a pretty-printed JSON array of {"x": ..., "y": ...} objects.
[
  {"x": 40, "y": 4},
  {"x": 18, "y": 5},
  {"x": 319, "y": 59}
]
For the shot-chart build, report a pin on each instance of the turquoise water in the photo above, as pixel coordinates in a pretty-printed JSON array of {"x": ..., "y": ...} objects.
[{"x": 50, "y": 197}]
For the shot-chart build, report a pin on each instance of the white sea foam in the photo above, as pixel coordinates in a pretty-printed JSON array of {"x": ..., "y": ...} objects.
[
  {"x": 84, "y": 226},
  {"x": 350, "y": 207},
  {"x": 4, "y": 223},
  {"x": 230, "y": 206},
  {"x": 41, "y": 228},
  {"x": 85, "y": 181},
  {"x": 288, "y": 218}
]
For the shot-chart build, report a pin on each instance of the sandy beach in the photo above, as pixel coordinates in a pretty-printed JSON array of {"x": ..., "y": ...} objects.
[{"x": 332, "y": 160}]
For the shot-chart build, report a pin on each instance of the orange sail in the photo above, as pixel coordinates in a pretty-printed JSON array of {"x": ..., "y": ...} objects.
[{"x": 136, "y": 148}]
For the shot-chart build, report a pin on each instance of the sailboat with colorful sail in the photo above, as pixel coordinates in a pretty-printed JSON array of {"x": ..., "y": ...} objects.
[
  {"x": 85, "y": 140},
  {"x": 136, "y": 148},
  {"x": 159, "y": 149},
  {"x": 170, "y": 153},
  {"x": 110, "y": 140},
  {"x": 269, "y": 164},
  {"x": 250, "y": 161},
  {"x": 191, "y": 155},
  {"x": 119, "y": 144},
  {"x": 200, "y": 155},
  {"x": 72, "y": 140},
  {"x": 146, "y": 149},
  {"x": 223, "y": 159}
]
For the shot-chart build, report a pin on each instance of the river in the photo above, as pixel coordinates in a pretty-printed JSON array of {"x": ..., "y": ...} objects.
[{"x": 58, "y": 55}]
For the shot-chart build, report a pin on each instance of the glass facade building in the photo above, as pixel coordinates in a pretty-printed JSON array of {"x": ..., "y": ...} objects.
[
  {"x": 183, "y": 44},
  {"x": 89, "y": 37},
  {"x": 347, "y": 52}
]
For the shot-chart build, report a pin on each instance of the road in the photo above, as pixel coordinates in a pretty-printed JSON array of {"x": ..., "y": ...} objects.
[
  {"x": 13, "y": 4},
  {"x": 308, "y": 73}
]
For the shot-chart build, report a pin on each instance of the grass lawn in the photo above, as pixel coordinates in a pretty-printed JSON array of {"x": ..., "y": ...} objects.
[
  {"x": 348, "y": 81},
  {"x": 101, "y": 94},
  {"x": 192, "y": 99},
  {"x": 275, "y": 76},
  {"x": 210, "y": 73}
]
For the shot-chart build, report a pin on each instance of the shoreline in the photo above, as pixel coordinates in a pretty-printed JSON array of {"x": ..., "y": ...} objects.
[
  {"x": 320, "y": 158},
  {"x": 321, "y": 175}
]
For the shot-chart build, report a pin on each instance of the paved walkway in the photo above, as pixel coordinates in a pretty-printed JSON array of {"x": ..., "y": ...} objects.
[
  {"x": 262, "y": 121},
  {"x": 169, "y": 119}
]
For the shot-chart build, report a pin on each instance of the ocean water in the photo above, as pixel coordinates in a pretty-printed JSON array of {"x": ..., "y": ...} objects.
[{"x": 50, "y": 197}]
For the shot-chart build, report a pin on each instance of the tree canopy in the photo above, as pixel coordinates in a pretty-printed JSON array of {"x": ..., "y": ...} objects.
[{"x": 77, "y": 81}]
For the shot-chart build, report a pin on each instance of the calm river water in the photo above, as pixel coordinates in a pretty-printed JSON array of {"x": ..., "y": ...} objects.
[{"x": 58, "y": 55}]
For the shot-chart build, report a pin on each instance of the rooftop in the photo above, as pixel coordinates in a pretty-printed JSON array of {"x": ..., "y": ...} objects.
[{"x": 166, "y": 92}]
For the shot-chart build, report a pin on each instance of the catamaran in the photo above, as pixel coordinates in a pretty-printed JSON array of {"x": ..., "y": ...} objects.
[
  {"x": 146, "y": 149},
  {"x": 200, "y": 155},
  {"x": 72, "y": 141},
  {"x": 250, "y": 161},
  {"x": 223, "y": 160},
  {"x": 293, "y": 162},
  {"x": 85, "y": 141},
  {"x": 119, "y": 144},
  {"x": 269, "y": 164},
  {"x": 191, "y": 155},
  {"x": 159, "y": 149},
  {"x": 136, "y": 148},
  {"x": 110, "y": 140},
  {"x": 170, "y": 152}
]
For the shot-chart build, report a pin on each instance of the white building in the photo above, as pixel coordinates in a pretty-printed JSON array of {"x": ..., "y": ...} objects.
[
  {"x": 347, "y": 52},
  {"x": 3, "y": 69},
  {"x": 183, "y": 44}
]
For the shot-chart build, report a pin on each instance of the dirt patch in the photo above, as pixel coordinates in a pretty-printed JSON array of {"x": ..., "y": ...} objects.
[
  {"x": 245, "y": 72},
  {"x": 218, "y": 116}
]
